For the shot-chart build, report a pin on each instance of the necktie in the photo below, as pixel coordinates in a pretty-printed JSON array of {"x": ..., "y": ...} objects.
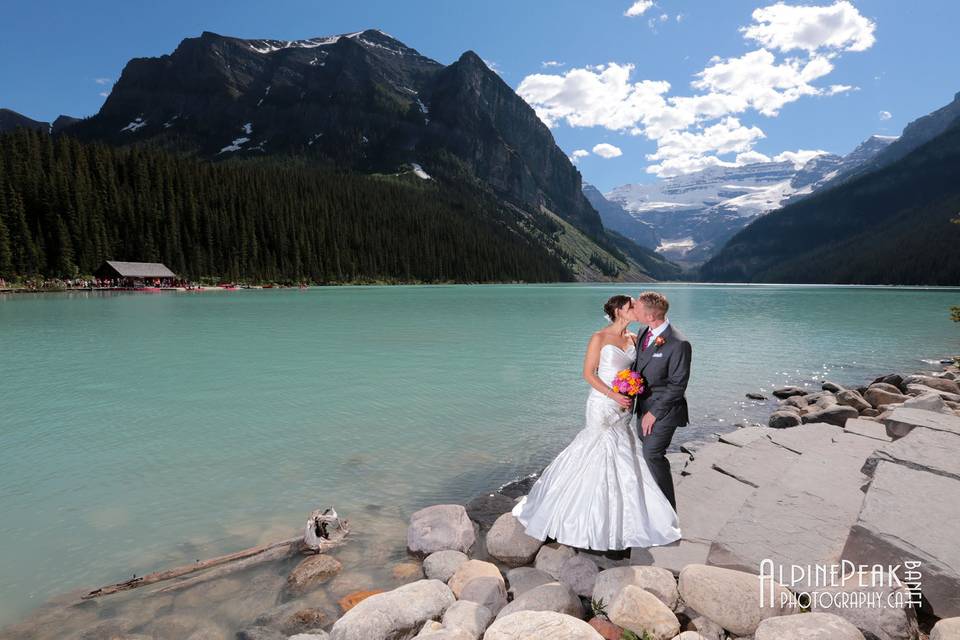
[{"x": 647, "y": 339}]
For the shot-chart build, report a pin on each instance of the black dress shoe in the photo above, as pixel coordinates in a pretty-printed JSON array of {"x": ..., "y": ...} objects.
[{"x": 617, "y": 554}]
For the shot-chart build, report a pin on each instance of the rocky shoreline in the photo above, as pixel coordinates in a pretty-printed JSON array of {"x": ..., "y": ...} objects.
[{"x": 866, "y": 475}]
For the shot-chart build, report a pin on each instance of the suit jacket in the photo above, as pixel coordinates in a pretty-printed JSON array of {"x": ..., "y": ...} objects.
[{"x": 666, "y": 370}]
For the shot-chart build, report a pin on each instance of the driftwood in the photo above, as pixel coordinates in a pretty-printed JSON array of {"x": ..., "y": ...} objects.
[{"x": 318, "y": 537}]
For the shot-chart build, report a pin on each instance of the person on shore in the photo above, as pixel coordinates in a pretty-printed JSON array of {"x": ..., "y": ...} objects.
[{"x": 599, "y": 493}]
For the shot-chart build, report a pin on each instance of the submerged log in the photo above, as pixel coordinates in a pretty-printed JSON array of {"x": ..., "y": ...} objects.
[{"x": 324, "y": 530}]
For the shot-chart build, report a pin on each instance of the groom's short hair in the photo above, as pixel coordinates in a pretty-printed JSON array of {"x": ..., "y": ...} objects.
[{"x": 655, "y": 301}]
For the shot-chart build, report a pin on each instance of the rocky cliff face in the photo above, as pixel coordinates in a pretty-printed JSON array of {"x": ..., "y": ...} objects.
[{"x": 363, "y": 101}]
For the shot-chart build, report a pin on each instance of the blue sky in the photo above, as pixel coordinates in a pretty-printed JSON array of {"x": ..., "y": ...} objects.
[{"x": 799, "y": 76}]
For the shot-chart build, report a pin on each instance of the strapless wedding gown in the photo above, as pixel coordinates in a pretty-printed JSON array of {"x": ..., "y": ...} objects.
[{"x": 599, "y": 493}]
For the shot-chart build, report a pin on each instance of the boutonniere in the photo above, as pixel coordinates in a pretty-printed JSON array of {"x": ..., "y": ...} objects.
[{"x": 659, "y": 341}]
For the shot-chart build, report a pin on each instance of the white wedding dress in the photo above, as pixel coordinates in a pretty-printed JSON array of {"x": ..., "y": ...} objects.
[{"x": 599, "y": 493}]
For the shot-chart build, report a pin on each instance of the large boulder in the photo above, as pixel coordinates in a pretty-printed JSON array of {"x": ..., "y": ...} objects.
[
  {"x": 877, "y": 397},
  {"x": 551, "y": 557},
  {"x": 554, "y": 596},
  {"x": 310, "y": 572},
  {"x": 946, "y": 629},
  {"x": 485, "y": 509},
  {"x": 731, "y": 598},
  {"x": 440, "y": 527},
  {"x": 580, "y": 574},
  {"x": 522, "y": 579},
  {"x": 784, "y": 419},
  {"x": 487, "y": 591},
  {"x": 922, "y": 389},
  {"x": 867, "y": 601},
  {"x": 643, "y": 613},
  {"x": 886, "y": 386},
  {"x": 538, "y": 625},
  {"x": 928, "y": 402},
  {"x": 787, "y": 392},
  {"x": 655, "y": 580},
  {"x": 852, "y": 398},
  {"x": 837, "y": 415},
  {"x": 902, "y": 421},
  {"x": 907, "y": 515},
  {"x": 472, "y": 617},
  {"x": 508, "y": 542},
  {"x": 441, "y": 565},
  {"x": 472, "y": 569},
  {"x": 940, "y": 384},
  {"x": 394, "y": 615},
  {"x": 809, "y": 626}
]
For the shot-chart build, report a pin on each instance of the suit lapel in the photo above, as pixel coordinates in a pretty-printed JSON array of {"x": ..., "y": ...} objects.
[{"x": 643, "y": 357}]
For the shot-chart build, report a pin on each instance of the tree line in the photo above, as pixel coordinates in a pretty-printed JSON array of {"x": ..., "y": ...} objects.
[{"x": 66, "y": 206}]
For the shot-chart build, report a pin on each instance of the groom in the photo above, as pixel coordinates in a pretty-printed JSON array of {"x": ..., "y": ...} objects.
[{"x": 663, "y": 359}]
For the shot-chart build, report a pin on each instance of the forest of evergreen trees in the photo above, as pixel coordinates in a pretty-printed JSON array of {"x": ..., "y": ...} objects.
[{"x": 65, "y": 206}]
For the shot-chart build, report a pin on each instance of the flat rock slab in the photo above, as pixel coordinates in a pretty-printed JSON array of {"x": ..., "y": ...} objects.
[
  {"x": 674, "y": 556},
  {"x": 743, "y": 436},
  {"x": 705, "y": 501},
  {"x": 803, "y": 518},
  {"x": 902, "y": 421},
  {"x": 811, "y": 436},
  {"x": 757, "y": 463},
  {"x": 912, "y": 515},
  {"x": 867, "y": 429},
  {"x": 704, "y": 457},
  {"x": 923, "y": 450}
]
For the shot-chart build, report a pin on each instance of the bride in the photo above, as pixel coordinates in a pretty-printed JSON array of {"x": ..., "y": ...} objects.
[{"x": 598, "y": 493}]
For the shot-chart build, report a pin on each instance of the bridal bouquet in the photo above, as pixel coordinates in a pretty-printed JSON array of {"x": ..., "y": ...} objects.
[{"x": 629, "y": 383}]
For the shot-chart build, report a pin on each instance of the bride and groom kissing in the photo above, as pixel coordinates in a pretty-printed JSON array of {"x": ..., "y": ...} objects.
[{"x": 611, "y": 488}]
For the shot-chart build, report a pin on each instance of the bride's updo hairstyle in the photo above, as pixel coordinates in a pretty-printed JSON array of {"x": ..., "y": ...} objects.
[{"x": 612, "y": 305}]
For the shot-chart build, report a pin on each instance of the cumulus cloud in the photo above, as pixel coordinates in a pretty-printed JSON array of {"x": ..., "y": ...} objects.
[
  {"x": 839, "y": 26},
  {"x": 885, "y": 115},
  {"x": 638, "y": 8},
  {"x": 577, "y": 154},
  {"x": 692, "y": 132},
  {"x": 606, "y": 150}
]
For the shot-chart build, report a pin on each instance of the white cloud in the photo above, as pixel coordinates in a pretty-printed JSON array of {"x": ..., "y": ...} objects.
[
  {"x": 839, "y": 26},
  {"x": 799, "y": 157},
  {"x": 638, "y": 8},
  {"x": 546, "y": 64},
  {"x": 680, "y": 16},
  {"x": 103, "y": 80},
  {"x": 606, "y": 150},
  {"x": 685, "y": 151},
  {"x": 885, "y": 115},
  {"x": 664, "y": 17},
  {"x": 104, "y": 94},
  {"x": 751, "y": 157},
  {"x": 493, "y": 66},
  {"x": 577, "y": 154}
]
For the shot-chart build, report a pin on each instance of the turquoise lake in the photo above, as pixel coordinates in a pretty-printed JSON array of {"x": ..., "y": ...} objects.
[{"x": 142, "y": 431}]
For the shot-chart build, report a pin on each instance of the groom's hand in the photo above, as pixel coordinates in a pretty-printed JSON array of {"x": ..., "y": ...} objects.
[{"x": 646, "y": 423}]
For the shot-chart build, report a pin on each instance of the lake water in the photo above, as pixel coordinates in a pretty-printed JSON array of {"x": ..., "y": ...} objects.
[{"x": 142, "y": 431}]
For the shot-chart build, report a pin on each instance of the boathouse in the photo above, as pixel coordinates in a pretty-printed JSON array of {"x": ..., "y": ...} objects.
[{"x": 135, "y": 274}]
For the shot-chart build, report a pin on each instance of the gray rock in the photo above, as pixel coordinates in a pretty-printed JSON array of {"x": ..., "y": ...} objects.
[
  {"x": 394, "y": 615},
  {"x": 946, "y": 629},
  {"x": 810, "y": 626},
  {"x": 813, "y": 436},
  {"x": 743, "y": 436},
  {"x": 902, "y": 421},
  {"x": 675, "y": 556},
  {"x": 892, "y": 379},
  {"x": 580, "y": 574},
  {"x": 706, "y": 628},
  {"x": 438, "y": 528},
  {"x": 310, "y": 572},
  {"x": 923, "y": 450},
  {"x": 260, "y": 633},
  {"x": 940, "y": 384},
  {"x": 487, "y": 591},
  {"x": 538, "y": 625},
  {"x": 643, "y": 613},
  {"x": 784, "y": 419},
  {"x": 820, "y": 400},
  {"x": 756, "y": 396},
  {"x": 508, "y": 543},
  {"x": 707, "y": 500},
  {"x": 920, "y": 389},
  {"x": 867, "y": 429},
  {"x": 878, "y": 619},
  {"x": 522, "y": 579},
  {"x": 705, "y": 457},
  {"x": 877, "y": 396},
  {"x": 836, "y": 415},
  {"x": 853, "y": 399},
  {"x": 441, "y": 565},
  {"x": 485, "y": 509},
  {"x": 731, "y": 598},
  {"x": 886, "y": 386},
  {"x": 787, "y": 392},
  {"x": 757, "y": 463},
  {"x": 832, "y": 386},
  {"x": 471, "y": 617},
  {"x": 469, "y": 570},
  {"x": 905, "y": 517},
  {"x": 554, "y": 596},
  {"x": 928, "y": 402},
  {"x": 315, "y": 634},
  {"x": 436, "y": 631},
  {"x": 656, "y": 580},
  {"x": 551, "y": 557}
]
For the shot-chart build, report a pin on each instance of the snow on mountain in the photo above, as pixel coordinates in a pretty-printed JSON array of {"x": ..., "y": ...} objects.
[{"x": 696, "y": 213}]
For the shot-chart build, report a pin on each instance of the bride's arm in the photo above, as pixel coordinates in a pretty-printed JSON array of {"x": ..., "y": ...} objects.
[{"x": 590, "y": 363}]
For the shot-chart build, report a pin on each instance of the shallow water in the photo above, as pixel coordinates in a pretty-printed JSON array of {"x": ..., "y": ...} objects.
[{"x": 142, "y": 431}]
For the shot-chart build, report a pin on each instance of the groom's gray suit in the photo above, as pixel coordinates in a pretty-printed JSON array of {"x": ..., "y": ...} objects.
[{"x": 666, "y": 370}]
